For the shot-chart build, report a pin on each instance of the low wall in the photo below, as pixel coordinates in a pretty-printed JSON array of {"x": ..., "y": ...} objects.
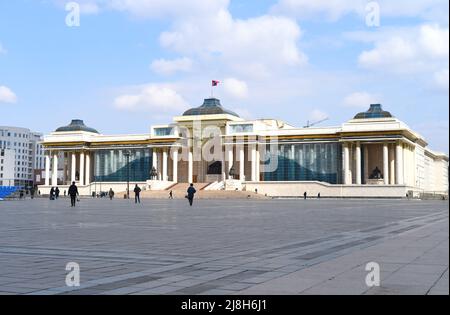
[{"x": 296, "y": 189}]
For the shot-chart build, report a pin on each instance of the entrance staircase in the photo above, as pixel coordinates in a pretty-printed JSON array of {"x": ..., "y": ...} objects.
[{"x": 179, "y": 192}]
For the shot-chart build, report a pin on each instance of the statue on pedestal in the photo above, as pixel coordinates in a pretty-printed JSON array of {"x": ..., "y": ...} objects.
[{"x": 376, "y": 174}]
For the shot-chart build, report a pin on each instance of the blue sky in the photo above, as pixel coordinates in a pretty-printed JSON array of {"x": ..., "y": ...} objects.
[{"x": 131, "y": 64}]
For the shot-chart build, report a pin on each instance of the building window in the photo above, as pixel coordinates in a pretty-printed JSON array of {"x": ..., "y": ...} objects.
[
  {"x": 241, "y": 128},
  {"x": 167, "y": 131}
]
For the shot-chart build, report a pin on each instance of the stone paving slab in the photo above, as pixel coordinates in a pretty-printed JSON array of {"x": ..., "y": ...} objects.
[{"x": 224, "y": 246}]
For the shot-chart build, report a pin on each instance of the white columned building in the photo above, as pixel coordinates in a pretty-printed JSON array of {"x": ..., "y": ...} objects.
[{"x": 373, "y": 154}]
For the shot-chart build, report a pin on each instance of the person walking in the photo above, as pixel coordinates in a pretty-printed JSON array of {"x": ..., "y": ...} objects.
[
  {"x": 52, "y": 193},
  {"x": 170, "y": 194},
  {"x": 190, "y": 194},
  {"x": 304, "y": 195},
  {"x": 137, "y": 192},
  {"x": 32, "y": 192},
  {"x": 73, "y": 193},
  {"x": 111, "y": 194},
  {"x": 57, "y": 193}
]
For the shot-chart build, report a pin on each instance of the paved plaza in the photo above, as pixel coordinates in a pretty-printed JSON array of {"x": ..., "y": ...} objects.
[{"x": 224, "y": 246}]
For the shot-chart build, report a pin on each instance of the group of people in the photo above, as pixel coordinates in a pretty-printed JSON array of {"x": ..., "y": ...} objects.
[
  {"x": 54, "y": 193},
  {"x": 190, "y": 194},
  {"x": 73, "y": 193}
]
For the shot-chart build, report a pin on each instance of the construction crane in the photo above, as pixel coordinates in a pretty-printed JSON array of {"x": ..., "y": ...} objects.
[{"x": 310, "y": 124}]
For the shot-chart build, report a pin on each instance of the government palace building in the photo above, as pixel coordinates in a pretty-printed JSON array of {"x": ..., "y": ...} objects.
[{"x": 374, "y": 154}]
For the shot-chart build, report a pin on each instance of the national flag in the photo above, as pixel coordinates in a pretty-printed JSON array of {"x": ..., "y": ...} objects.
[{"x": 215, "y": 83}]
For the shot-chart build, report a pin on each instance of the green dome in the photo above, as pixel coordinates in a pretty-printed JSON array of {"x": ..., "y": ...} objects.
[
  {"x": 76, "y": 125},
  {"x": 211, "y": 106},
  {"x": 375, "y": 111}
]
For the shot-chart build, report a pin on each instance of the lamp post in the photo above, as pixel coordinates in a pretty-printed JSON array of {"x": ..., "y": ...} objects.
[{"x": 127, "y": 154}]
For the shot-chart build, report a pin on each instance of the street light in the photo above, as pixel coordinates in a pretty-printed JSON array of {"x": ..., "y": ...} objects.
[{"x": 127, "y": 154}]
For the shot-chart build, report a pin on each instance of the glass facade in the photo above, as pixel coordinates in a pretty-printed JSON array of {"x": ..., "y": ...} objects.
[
  {"x": 306, "y": 162},
  {"x": 111, "y": 165}
]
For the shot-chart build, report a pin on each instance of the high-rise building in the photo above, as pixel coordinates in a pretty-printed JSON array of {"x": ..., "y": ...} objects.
[{"x": 20, "y": 155}]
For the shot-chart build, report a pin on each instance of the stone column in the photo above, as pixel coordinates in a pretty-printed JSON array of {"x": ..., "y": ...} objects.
[
  {"x": 88, "y": 168},
  {"x": 190, "y": 166},
  {"x": 258, "y": 164},
  {"x": 241, "y": 163},
  {"x": 391, "y": 164},
  {"x": 164, "y": 165},
  {"x": 230, "y": 160},
  {"x": 347, "y": 180},
  {"x": 55, "y": 170},
  {"x": 155, "y": 160},
  {"x": 358, "y": 163},
  {"x": 47, "y": 169},
  {"x": 81, "y": 168},
  {"x": 253, "y": 161},
  {"x": 366, "y": 163},
  {"x": 65, "y": 167},
  {"x": 73, "y": 167},
  {"x": 399, "y": 164},
  {"x": 175, "y": 165},
  {"x": 385, "y": 164}
]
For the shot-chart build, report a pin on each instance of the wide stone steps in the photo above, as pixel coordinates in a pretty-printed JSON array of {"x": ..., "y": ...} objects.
[{"x": 202, "y": 194}]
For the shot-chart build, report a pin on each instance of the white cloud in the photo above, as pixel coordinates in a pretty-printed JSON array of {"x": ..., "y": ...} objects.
[
  {"x": 360, "y": 99},
  {"x": 235, "y": 88},
  {"x": 265, "y": 41},
  {"x": 166, "y": 8},
  {"x": 336, "y": 9},
  {"x": 421, "y": 50},
  {"x": 332, "y": 9},
  {"x": 6, "y": 95},
  {"x": 167, "y": 67},
  {"x": 153, "y": 97}
]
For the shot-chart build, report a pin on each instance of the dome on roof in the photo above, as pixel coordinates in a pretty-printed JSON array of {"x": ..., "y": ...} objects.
[
  {"x": 211, "y": 106},
  {"x": 76, "y": 125},
  {"x": 375, "y": 111}
]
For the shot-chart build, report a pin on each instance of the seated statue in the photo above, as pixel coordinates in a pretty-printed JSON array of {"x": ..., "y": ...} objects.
[{"x": 376, "y": 174}]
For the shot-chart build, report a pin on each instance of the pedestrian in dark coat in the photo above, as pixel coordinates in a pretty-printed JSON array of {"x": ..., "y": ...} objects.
[
  {"x": 73, "y": 193},
  {"x": 111, "y": 194},
  {"x": 137, "y": 192},
  {"x": 52, "y": 193},
  {"x": 57, "y": 193},
  {"x": 304, "y": 195},
  {"x": 190, "y": 194}
]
